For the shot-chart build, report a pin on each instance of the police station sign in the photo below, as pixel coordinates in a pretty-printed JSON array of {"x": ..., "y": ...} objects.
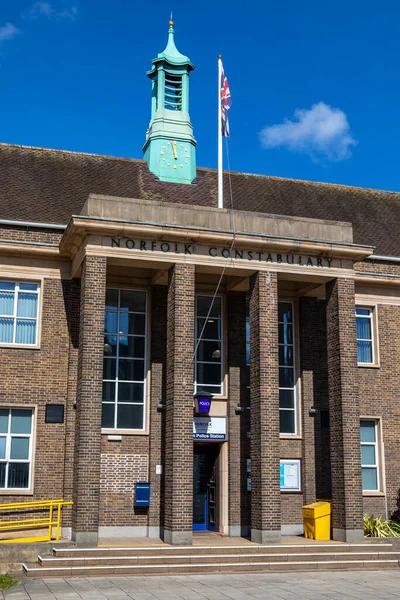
[
  {"x": 255, "y": 256},
  {"x": 209, "y": 428}
]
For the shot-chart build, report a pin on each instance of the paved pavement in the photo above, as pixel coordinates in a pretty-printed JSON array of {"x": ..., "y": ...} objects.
[{"x": 347, "y": 585}]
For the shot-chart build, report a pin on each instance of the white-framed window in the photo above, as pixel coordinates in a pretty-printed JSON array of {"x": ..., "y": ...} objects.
[
  {"x": 19, "y": 310},
  {"x": 287, "y": 370},
  {"x": 16, "y": 448},
  {"x": 209, "y": 343},
  {"x": 369, "y": 439},
  {"x": 365, "y": 335},
  {"x": 124, "y": 370}
]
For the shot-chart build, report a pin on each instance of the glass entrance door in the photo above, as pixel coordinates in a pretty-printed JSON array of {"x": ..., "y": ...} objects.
[{"x": 204, "y": 487}]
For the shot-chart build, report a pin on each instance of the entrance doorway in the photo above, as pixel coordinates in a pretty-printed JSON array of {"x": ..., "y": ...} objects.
[{"x": 205, "y": 493}]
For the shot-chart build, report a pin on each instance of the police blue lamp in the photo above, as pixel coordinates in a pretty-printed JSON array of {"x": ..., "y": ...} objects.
[{"x": 202, "y": 403}]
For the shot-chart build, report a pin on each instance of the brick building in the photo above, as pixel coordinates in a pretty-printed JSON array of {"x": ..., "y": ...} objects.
[{"x": 124, "y": 291}]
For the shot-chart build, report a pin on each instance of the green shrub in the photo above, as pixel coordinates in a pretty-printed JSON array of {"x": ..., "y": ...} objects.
[
  {"x": 6, "y": 581},
  {"x": 376, "y": 527}
]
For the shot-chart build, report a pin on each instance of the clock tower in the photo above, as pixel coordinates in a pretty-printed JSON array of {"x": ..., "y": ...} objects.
[{"x": 170, "y": 148}]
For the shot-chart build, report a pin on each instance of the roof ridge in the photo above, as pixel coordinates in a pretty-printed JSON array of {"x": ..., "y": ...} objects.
[{"x": 353, "y": 188}]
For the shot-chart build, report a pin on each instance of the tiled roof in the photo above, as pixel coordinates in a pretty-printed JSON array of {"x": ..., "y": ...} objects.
[{"x": 49, "y": 186}]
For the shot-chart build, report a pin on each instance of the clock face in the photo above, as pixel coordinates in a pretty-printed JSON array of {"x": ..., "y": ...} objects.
[{"x": 175, "y": 154}]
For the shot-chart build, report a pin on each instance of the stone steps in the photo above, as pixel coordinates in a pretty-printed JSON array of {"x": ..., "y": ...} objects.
[{"x": 211, "y": 559}]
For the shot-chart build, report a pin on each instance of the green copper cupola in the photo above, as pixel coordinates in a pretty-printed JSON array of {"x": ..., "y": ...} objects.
[{"x": 170, "y": 148}]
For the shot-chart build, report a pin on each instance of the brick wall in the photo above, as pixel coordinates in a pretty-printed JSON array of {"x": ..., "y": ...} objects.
[{"x": 238, "y": 424}]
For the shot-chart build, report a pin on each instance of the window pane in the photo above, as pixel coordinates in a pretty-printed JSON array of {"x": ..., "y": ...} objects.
[
  {"x": 18, "y": 475},
  {"x": 28, "y": 286},
  {"x": 2, "y": 475},
  {"x": 130, "y": 392},
  {"x": 363, "y": 328},
  {"x": 131, "y": 323},
  {"x": 363, "y": 311},
  {"x": 110, "y": 322},
  {"x": 368, "y": 455},
  {"x": 19, "y": 448},
  {"x": 209, "y": 351},
  {"x": 26, "y": 332},
  {"x": 286, "y": 355},
  {"x": 212, "y": 330},
  {"x": 367, "y": 431},
  {"x": 208, "y": 373},
  {"x": 4, "y": 413},
  {"x": 21, "y": 421},
  {"x": 285, "y": 334},
  {"x": 6, "y": 330},
  {"x": 204, "y": 303},
  {"x": 285, "y": 312},
  {"x": 2, "y": 448},
  {"x": 369, "y": 479},
  {"x": 131, "y": 370},
  {"x": 7, "y": 285},
  {"x": 27, "y": 305},
  {"x": 364, "y": 352},
  {"x": 133, "y": 301},
  {"x": 110, "y": 345},
  {"x": 108, "y": 391},
  {"x": 131, "y": 346},
  {"x": 130, "y": 416},
  {"x": 109, "y": 368},
  {"x": 112, "y": 300},
  {"x": 107, "y": 417},
  {"x": 6, "y": 303},
  {"x": 286, "y": 377},
  {"x": 286, "y": 398},
  {"x": 286, "y": 418}
]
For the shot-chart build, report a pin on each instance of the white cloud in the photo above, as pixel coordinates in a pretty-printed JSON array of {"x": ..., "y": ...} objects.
[
  {"x": 322, "y": 132},
  {"x": 50, "y": 10},
  {"x": 8, "y": 32}
]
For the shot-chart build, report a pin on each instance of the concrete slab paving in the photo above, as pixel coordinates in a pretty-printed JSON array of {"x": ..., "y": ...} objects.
[{"x": 345, "y": 585}]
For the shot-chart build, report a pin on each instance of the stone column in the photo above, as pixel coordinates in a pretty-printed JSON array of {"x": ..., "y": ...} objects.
[
  {"x": 179, "y": 406},
  {"x": 264, "y": 409},
  {"x": 88, "y": 403},
  {"x": 347, "y": 512},
  {"x": 236, "y": 395}
]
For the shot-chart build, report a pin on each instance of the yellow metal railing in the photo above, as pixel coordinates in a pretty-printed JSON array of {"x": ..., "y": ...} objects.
[{"x": 53, "y": 519}]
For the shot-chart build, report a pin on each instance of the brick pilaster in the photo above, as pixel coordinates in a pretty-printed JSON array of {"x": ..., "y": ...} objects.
[
  {"x": 347, "y": 516},
  {"x": 157, "y": 396},
  {"x": 309, "y": 357},
  {"x": 88, "y": 410},
  {"x": 237, "y": 455},
  {"x": 264, "y": 409},
  {"x": 179, "y": 406}
]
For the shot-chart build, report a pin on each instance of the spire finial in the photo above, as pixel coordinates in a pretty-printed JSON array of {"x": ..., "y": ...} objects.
[{"x": 171, "y": 23}]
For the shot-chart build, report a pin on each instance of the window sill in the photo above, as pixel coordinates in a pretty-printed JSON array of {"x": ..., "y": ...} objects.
[
  {"x": 124, "y": 432},
  {"x": 20, "y": 346},
  {"x": 290, "y": 436},
  {"x": 374, "y": 494},
  {"x": 15, "y": 492},
  {"x": 368, "y": 366}
]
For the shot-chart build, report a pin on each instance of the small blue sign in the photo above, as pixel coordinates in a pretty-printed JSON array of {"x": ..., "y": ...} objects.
[
  {"x": 142, "y": 494},
  {"x": 282, "y": 475}
]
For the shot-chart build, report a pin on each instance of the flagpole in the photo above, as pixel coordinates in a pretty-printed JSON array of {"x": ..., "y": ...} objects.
[{"x": 220, "y": 181}]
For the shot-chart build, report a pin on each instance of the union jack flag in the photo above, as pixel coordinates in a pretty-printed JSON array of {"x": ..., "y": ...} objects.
[{"x": 226, "y": 103}]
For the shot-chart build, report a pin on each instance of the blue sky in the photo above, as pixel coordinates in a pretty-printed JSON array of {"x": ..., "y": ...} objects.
[{"x": 315, "y": 85}]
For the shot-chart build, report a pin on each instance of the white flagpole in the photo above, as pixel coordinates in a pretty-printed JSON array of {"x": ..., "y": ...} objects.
[{"x": 220, "y": 181}]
